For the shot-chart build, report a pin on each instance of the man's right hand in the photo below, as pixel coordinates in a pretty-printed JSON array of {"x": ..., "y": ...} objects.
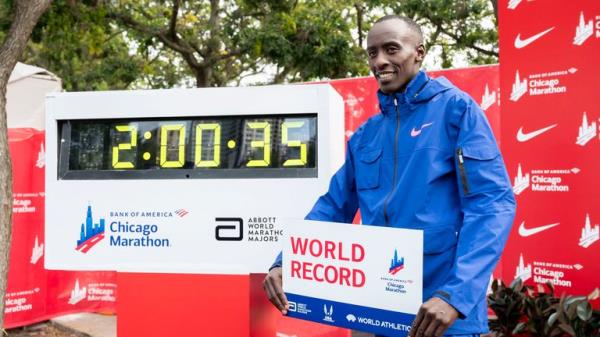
[{"x": 273, "y": 286}]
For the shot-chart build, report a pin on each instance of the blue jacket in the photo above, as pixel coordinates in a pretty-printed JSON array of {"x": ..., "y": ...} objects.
[{"x": 429, "y": 161}]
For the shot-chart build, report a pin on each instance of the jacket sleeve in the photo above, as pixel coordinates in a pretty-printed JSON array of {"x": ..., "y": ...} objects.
[
  {"x": 340, "y": 202},
  {"x": 488, "y": 207}
]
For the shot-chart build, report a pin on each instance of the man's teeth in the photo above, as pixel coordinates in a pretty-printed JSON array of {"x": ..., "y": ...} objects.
[{"x": 386, "y": 76}]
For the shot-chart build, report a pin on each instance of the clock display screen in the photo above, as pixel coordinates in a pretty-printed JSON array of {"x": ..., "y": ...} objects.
[{"x": 265, "y": 146}]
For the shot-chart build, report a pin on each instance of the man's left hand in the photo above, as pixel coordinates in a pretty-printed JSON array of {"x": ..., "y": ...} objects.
[{"x": 433, "y": 319}]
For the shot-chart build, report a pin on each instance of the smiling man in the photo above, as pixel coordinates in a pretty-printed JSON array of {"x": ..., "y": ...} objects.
[{"x": 428, "y": 161}]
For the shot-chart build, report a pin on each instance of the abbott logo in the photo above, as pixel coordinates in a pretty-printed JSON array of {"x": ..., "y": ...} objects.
[
  {"x": 292, "y": 306},
  {"x": 230, "y": 232}
]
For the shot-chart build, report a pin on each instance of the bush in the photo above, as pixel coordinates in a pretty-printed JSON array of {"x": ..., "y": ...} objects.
[{"x": 522, "y": 311}]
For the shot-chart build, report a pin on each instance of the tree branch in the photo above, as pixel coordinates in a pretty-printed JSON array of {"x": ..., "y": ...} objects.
[{"x": 173, "y": 21}]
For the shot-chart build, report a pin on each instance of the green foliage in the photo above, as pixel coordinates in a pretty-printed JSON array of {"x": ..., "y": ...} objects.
[
  {"x": 96, "y": 45},
  {"x": 521, "y": 311},
  {"x": 508, "y": 304},
  {"x": 77, "y": 43}
]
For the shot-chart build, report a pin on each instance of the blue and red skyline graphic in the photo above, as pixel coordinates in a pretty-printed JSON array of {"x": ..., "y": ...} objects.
[
  {"x": 397, "y": 264},
  {"x": 91, "y": 233}
]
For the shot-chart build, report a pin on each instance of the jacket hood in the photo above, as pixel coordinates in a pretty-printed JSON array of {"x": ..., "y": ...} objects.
[{"x": 420, "y": 89}]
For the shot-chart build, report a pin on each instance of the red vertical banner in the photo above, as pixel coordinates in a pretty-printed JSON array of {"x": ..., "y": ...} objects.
[
  {"x": 26, "y": 288},
  {"x": 550, "y": 116}
]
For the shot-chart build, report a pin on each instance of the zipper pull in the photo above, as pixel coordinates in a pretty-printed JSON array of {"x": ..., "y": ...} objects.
[
  {"x": 460, "y": 156},
  {"x": 396, "y": 102}
]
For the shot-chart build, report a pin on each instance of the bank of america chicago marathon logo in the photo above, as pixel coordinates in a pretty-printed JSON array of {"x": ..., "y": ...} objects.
[
  {"x": 393, "y": 282},
  {"x": 543, "y": 272},
  {"x": 585, "y": 28},
  {"x": 587, "y": 131},
  {"x": 547, "y": 83},
  {"x": 589, "y": 234},
  {"x": 122, "y": 232},
  {"x": 488, "y": 98},
  {"x": 397, "y": 264},
  {"x": 543, "y": 180}
]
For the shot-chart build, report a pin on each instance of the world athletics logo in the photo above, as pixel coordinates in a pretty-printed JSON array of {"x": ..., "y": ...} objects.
[
  {"x": 91, "y": 233},
  {"x": 397, "y": 264}
]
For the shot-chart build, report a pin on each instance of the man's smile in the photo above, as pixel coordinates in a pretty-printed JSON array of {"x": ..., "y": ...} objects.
[{"x": 385, "y": 75}]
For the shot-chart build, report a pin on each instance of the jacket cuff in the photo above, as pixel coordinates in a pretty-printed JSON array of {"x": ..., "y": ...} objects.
[{"x": 446, "y": 297}]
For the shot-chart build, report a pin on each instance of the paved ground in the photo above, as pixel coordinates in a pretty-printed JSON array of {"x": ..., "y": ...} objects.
[{"x": 93, "y": 325}]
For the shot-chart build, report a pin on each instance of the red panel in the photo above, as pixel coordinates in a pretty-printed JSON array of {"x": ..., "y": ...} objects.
[
  {"x": 266, "y": 321},
  {"x": 183, "y": 305},
  {"x": 557, "y": 66}
]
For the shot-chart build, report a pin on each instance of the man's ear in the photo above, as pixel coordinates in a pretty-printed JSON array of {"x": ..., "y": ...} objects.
[{"x": 421, "y": 53}]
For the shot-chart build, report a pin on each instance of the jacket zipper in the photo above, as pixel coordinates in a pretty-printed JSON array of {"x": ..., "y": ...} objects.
[
  {"x": 463, "y": 173},
  {"x": 396, "y": 134}
]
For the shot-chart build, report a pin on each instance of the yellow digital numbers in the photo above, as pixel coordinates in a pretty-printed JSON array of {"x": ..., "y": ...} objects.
[
  {"x": 265, "y": 144},
  {"x": 179, "y": 130},
  {"x": 216, "y": 160},
  {"x": 293, "y": 143},
  {"x": 132, "y": 129}
]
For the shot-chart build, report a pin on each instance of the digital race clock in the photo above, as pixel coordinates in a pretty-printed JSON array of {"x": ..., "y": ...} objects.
[
  {"x": 263, "y": 146},
  {"x": 178, "y": 180}
]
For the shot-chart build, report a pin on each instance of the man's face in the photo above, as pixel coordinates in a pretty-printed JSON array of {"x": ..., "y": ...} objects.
[{"x": 395, "y": 54}]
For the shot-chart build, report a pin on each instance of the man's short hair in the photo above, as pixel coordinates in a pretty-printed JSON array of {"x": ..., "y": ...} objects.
[{"x": 412, "y": 25}]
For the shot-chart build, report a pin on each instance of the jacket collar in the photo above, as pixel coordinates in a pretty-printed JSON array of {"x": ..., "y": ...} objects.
[{"x": 407, "y": 97}]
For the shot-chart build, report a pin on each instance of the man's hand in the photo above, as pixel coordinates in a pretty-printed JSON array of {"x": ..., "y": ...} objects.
[
  {"x": 273, "y": 286},
  {"x": 433, "y": 319}
]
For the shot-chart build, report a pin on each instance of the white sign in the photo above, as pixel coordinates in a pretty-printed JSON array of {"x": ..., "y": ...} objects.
[
  {"x": 177, "y": 180},
  {"x": 354, "y": 276}
]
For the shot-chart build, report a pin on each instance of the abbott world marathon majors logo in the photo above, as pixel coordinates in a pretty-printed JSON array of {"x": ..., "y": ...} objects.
[
  {"x": 543, "y": 180},
  {"x": 126, "y": 229},
  {"x": 258, "y": 229},
  {"x": 543, "y": 272},
  {"x": 540, "y": 84}
]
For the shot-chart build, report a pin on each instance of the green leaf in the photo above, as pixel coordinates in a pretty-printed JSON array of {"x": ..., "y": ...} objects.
[
  {"x": 519, "y": 328},
  {"x": 566, "y": 328},
  {"x": 552, "y": 319},
  {"x": 584, "y": 311}
]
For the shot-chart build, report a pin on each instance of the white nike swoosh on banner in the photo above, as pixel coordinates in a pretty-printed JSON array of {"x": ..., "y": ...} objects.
[
  {"x": 523, "y": 137},
  {"x": 524, "y": 232},
  {"x": 523, "y": 43}
]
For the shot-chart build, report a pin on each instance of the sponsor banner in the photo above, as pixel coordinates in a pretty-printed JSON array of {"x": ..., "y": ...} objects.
[
  {"x": 550, "y": 141},
  {"x": 33, "y": 293},
  {"x": 334, "y": 272},
  {"x": 355, "y": 317}
]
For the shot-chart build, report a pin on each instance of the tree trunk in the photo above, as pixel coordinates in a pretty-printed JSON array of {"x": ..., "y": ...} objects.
[{"x": 26, "y": 15}]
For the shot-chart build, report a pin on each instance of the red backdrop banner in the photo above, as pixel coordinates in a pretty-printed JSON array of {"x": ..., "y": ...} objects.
[{"x": 549, "y": 77}]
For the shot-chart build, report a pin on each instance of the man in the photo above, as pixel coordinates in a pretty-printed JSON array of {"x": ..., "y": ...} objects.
[{"x": 428, "y": 161}]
